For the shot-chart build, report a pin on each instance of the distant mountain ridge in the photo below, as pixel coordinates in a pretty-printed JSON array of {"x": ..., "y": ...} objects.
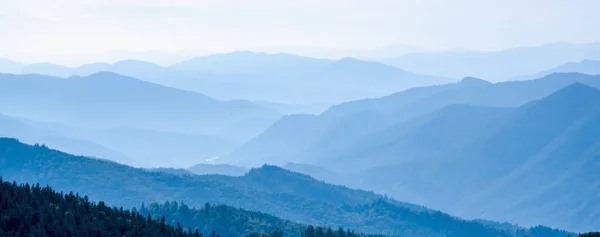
[
  {"x": 12, "y": 127},
  {"x": 590, "y": 67},
  {"x": 516, "y": 164},
  {"x": 281, "y": 78},
  {"x": 9, "y": 66},
  {"x": 127, "y": 145},
  {"x": 249, "y": 63},
  {"x": 422, "y": 138},
  {"x": 308, "y": 139},
  {"x": 110, "y": 100},
  {"x": 221, "y": 169},
  {"x": 496, "y": 65}
]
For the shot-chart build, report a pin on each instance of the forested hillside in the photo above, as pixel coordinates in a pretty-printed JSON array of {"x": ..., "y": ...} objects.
[
  {"x": 269, "y": 189},
  {"x": 222, "y": 219},
  {"x": 591, "y": 234},
  {"x": 32, "y": 210}
]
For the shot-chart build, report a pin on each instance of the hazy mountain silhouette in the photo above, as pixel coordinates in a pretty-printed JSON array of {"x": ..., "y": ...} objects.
[
  {"x": 267, "y": 189},
  {"x": 222, "y": 169},
  {"x": 288, "y": 78},
  {"x": 288, "y": 136},
  {"x": 132, "y": 68},
  {"x": 308, "y": 139},
  {"x": 89, "y": 69},
  {"x": 589, "y": 67},
  {"x": 250, "y": 63},
  {"x": 9, "y": 66},
  {"x": 153, "y": 148},
  {"x": 142, "y": 147},
  {"x": 142, "y": 70},
  {"x": 109, "y": 100},
  {"x": 281, "y": 78},
  {"x": 12, "y": 127},
  {"x": 325, "y": 52},
  {"x": 47, "y": 69},
  {"x": 496, "y": 65},
  {"x": 371, "y": 75},
  {"x": 518, "y": 164},
  {"x": 541, "y": 156},
  {"x": 310, "y": 108},
  {"x": 431, "y": 135},
  {"x": 339, "y": 126}
]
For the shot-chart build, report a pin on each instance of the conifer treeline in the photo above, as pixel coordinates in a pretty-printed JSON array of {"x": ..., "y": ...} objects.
[
  {"x": 591, "y": 234},
  {"x": 231, "y": 221},
  {"x": 40, "y": 211},
  {"x": 31, "y": 210},
  {"x": 222, "y": 219},
  {"x": 311, "y": 231}
]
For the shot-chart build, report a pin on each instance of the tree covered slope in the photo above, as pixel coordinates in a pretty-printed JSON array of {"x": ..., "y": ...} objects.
[{"x": 269, "y": 189}]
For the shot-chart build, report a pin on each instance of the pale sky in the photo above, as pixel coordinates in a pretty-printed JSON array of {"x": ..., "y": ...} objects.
[{"x": 95, "y": 26}]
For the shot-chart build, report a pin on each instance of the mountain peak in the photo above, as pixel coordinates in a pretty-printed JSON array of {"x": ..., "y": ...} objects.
[
  {"x": 575, "y": 94},
  {"x": 355, "y": 64},
  {"x": 273, "y": 171},
  {"x": 474, "y": 81},
  {"x": 354, "y": 61},
  {"x": 103, "y": 74},
  {"x": 133, "y": 62},
  {"x": 350, "y": 59},
  {"x": 266, "y": 168},
  {"x": 111, "y": 77},
  {"x": 244, "y": 53},
  {"x": 577, "y": 88}
]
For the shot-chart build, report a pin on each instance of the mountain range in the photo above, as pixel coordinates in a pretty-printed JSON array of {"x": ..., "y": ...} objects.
[
  {"x": 286, "y": 78},
  {"x": 127, "y": 145},
  {"x": 16, "y": 128},
  {"x": 315, "y": 138},
  {"x": 528, "y": 163},
  {"x": 280, "y": 78},
  {"x": 124, "y": 119},
  {"x": 590, "y": 67},
  {"x": 459, "y": 148},
  {"x": 223, "y": 169},
  {"x": 269, "y": 189},
  {"x": 9, "y": 66},
  {"x": 525, "y": 150},
  {"x": 104, "y": 100},
  {"x": 496, "y": 65}
]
